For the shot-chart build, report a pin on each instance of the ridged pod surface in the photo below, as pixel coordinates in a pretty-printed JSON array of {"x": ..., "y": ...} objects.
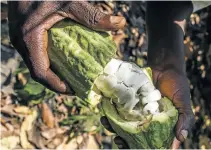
[{"x": 79, "y": 54}]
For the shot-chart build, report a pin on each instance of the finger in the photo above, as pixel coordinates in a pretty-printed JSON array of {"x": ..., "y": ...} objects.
[
  {"x": 39, "y": 13},
  {"x": 121, "y": 143},
  {"x": 91, "y": 16},
  {"x": 104, "y": 121},
  {"x": 175, "y": 144},
  {"x": 175, "y": 86},
  {"x": 181, "y": 100},
  {"x": 183, "y": 126},
  {"x": 36, "y": 43}
]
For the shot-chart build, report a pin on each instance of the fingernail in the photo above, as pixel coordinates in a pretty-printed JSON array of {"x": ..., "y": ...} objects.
[
  {"x": 184, "y": 133},
  {"x": 116, "y": 19}
]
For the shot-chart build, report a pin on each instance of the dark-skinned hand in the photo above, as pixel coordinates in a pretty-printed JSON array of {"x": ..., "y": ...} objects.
[
  {"x": 165, "y": 28},
  {"x": 28, "y": 25},
  {"x": 29, "y": 22}
]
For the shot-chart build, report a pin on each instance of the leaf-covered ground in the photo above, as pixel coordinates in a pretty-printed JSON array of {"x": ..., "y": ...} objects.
[{"x": 34, "y": 117}]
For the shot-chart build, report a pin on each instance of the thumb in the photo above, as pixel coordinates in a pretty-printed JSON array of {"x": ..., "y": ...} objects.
[
  {"x": 175, "y": 86},
  {"x": 91, "y": 16},
  {"x": 181, "y": 100},
  {"x": 183, "y": 126}
]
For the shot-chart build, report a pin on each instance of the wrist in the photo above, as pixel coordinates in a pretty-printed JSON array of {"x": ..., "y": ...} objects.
[{"x": 168, "y": 64}]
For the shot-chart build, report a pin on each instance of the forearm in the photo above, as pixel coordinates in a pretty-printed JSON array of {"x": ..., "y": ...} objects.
[
  {"x": 165, "y": 37},
  {"x": 166, "y": 50}
]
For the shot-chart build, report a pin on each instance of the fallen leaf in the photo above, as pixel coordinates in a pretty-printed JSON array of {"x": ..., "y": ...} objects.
[
  {"x": 3, "y": 120},
  {"x": 34, "y": 136},
  {"x": 106, "y": 8},
  {"x": 118, "y": 38},
  {"x": 70, "y": 144},
  {"x": 59, "y": 98},
  {"x": 9, "y": 143},
  {"x": 5, "y": 99},
  {"x": 8, "y": 109},
  {"x": 9, "y": 127},
  {"x": 27, "y": 125},
  {"x": 98, "y": 138},
  {"x": 55, "y": 142},
  {"x": 5, "y": 134},
  {"x": 141, "y": 40},
  {"x": 84, "y": 141},
  {"x": 49, "y": 134},
  {"x": 8, "y": 130},
  {"x": 22, "y": 110},
  {"x": 3, "y": 128},
  {"x": 21, "y": 78},
  {"x": 47, "y": 115},
  {"x": 92, "y": 143}
]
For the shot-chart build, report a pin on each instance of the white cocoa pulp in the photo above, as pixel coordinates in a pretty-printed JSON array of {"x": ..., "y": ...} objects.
[{"x": 127, "y": 85}]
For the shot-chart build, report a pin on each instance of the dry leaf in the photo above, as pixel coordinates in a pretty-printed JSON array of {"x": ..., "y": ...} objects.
[
  {"x": 84, "y": 141},
  {"x": 49, "y": 134},
  {"x": 55, "y": 142},
  {"x": 62, "y": 108},
  {"x": 141, "y": 40},
  {"x": 10, "y": 142},
  {"x": 98, "y": 138},
  {"x": 72, "y": 144},
  {"x": 91, "y": 143},
  {"x": 3, "y": 128},
  {"x": 22, "y": 110},
  {"x": 118, "y": 38},
  {"x": 59, "y": 99},
  {"x": 106, "y": 9},
  {"x": 9, "y": 127},
  {"x": 3, "y": 120},
  {"x": 22, "y": 79},
  {"x": 5, "y": 99},
  {"x": 34, "y": 136},
  {"x": 47, "y": 115},
  {"x": 8, "y": 109},
  {"x": 27, "y": 125}
]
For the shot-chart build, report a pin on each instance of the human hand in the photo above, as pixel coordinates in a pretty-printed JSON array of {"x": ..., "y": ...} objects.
[
  {"x": 29, "y": 22},
  {"x": 166, "y": 58},
  {"x": 174, "y": 85}
]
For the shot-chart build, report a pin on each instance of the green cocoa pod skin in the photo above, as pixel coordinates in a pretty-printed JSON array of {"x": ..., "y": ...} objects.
[
  {"x": 79, "y": 54},
  {"x": 156, "y": 133}
]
